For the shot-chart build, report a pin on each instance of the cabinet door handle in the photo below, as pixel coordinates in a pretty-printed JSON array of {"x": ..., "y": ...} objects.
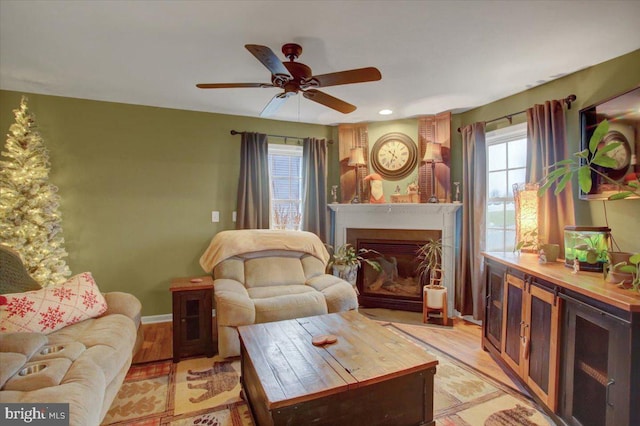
[
  {"x": 525, "y": 347},
  {"x": 609, "y": 384}
]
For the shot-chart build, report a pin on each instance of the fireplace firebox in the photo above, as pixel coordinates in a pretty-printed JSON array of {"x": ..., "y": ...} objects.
[{"x": 398, "y": 284}]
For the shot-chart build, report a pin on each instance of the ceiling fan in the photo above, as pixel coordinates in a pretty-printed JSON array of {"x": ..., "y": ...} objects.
[{"x": 296, "y": 77}]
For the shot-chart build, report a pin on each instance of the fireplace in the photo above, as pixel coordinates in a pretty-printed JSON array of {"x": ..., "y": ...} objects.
[
  {"x": 398, "y": 230},
  {"x": 398, "y": 284}
]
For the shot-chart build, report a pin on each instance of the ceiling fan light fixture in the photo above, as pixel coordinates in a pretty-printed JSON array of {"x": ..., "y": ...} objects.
[
  {"x": 294, "y": 77},
  {"x": 385, "y": 112}
]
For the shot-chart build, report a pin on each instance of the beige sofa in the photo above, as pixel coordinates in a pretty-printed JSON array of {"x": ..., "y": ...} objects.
[
  {"x": 262, "y": 276},
  {"x": 83, "y": 364}
]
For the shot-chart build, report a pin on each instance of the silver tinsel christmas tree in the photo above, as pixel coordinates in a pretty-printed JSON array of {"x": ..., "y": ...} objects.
[{"x": 30, "y": 221}]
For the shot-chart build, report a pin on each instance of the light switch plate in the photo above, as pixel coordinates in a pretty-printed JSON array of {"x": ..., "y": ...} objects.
[
  {"x": 215, "y": 216},
  {"x": 233, "y": 216}
]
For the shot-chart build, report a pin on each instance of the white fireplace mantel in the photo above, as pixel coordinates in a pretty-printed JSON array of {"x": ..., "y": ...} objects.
[{"x": 440, "y": 216}]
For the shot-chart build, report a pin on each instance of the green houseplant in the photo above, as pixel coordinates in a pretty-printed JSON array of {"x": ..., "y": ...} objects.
[
  {"x": 430, "y": 268},
  {"x": 346, "y": 260},
  {"x": 430, "y": 261},
  {"x": 630, "y": 266},
  {"x": 583, "y": 163},
  {"x": 533, "y": 242}
]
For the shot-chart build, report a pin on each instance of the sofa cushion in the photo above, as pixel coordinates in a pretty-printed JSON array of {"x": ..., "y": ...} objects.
[
  {"x": 70, "y": 351},
  {"x": 312, "y": 266},
  {"x": 273, "y": 271},
  {"x": 53, "y": 307},
  {"x": 279, "y": 290},
  {"x": 108, "y": 341},
  {"x": 39, "y": 374},
  {"x": 83, "y": 387},
  {"x": 11, "y": 363},
  {"x": 288, "y": 304},
  {"x": 23, "y": 343}
]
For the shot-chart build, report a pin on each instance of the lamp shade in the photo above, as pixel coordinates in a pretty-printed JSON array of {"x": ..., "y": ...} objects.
[
  {"x": 526, "y": 214},
  {"x": 356, "y": 157},
  {"x": 433, "y": 153}
]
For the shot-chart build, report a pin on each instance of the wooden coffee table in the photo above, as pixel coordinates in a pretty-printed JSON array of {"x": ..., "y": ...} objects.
[{"x": 370, "y": 376}]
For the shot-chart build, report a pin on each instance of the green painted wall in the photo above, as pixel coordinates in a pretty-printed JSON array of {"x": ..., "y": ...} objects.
[
  {"x": 591, "y": 86},
  {"x": 380, "y": 128},
  {"x": 138, "y": 185}
]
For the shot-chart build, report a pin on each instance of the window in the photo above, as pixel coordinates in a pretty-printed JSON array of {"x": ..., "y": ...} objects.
[
  {"x": 285, "y": 175},
  {"x": 506, "y": 165}
]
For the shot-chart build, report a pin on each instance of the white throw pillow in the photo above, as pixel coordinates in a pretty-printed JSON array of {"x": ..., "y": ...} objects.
[{"x": 53, "y": 307}]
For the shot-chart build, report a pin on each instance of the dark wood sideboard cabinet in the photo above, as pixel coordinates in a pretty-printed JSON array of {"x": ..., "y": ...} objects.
[{"x": 572, "y": 339}]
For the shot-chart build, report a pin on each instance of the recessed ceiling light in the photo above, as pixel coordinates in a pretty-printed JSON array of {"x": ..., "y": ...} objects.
[{"x": 385, "y": 112}]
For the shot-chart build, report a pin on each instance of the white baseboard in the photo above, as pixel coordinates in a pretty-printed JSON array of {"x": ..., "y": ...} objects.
[{"x": 153, "y": 319}]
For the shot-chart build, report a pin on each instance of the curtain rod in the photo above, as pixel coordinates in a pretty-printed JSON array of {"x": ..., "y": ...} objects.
[
  {"x": 235, "y": 132},
  {"x": 568, "y": 100}
]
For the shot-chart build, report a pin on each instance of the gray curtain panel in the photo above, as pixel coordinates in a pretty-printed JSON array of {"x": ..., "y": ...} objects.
[
  {"x": 314, "y": 158},
  {"x": 253, "y": 183},
  {"x": 546, "y": 145},
  {"x": 470, "y": 292}
]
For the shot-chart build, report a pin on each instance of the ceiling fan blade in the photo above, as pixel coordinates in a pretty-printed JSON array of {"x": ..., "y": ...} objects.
[
  {"x": 268, "y": 59},
  {"x": 231, "y": 85},
  {"x": 329, "y": 101},
  {"x": 359, "y": 75},
  {"x": 274, "y": 104}
]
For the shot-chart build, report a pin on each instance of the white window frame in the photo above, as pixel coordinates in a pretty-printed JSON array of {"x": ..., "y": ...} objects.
[
  {"x": 288, "y": 151},
  {"x": 497, "y": 137}
]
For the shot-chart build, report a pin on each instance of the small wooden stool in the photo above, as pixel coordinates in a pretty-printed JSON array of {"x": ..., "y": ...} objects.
[{"x": 434, "y": 300}]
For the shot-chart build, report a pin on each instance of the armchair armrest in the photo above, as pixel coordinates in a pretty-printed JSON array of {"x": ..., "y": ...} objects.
[
  {"x": 234, "y": 307},
  {"x": 339, "y": 294},
  {"x": 123, "y": 303}
]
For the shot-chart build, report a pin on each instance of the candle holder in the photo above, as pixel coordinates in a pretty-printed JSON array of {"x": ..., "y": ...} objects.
[{"x": 456, "y": 200}]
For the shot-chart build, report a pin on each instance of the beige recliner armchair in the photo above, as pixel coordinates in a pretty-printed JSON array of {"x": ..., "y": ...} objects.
[{"x": 270, "y": 275}]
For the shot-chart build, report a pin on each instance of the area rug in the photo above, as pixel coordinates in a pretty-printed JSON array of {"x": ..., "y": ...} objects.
[
  {"x": 198, "y": 391},
  {"x": 206, "y": 391},
  {"x": 404, "y": 317},
  {"x": 464, "y": 396}
]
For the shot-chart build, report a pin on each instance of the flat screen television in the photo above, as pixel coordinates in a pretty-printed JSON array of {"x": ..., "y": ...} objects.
[{"x": 623, "y": 113}]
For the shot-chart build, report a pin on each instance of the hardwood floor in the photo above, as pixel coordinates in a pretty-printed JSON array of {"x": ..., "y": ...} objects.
[
  {"x": 462, "y": 341},
  {"x": 158, "y": 343}
]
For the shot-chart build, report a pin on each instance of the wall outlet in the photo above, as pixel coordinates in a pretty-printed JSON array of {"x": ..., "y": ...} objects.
[
  {"x": 233, "y": 216},
  {"x": 215, "y": 216}
]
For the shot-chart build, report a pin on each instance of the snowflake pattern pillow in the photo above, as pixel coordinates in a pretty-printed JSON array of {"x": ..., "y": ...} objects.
[{"x": 53, "y": 307}]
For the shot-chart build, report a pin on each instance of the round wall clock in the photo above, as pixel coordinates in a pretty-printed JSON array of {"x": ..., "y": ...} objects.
[
  {"x": 621, "y": 155},
  {"x": 394, "y": 156}
]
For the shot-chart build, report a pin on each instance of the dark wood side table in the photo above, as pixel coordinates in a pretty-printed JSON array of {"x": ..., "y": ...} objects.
[{"x": 192, "y": 329}]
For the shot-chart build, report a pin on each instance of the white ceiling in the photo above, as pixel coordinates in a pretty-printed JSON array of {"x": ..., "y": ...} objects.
[{"x": 434, "y": 56}]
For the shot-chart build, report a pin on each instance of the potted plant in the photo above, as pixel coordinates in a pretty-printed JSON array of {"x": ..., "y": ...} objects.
[
  {"x": 624, "y": 272},
  {"x": 430, "y": 258},
  {"x": 430, "y": 267},
  {"x": 583, "y": 163},
  {"x": 532, "y": 242},
  {"x": 346, "y": 260}
]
